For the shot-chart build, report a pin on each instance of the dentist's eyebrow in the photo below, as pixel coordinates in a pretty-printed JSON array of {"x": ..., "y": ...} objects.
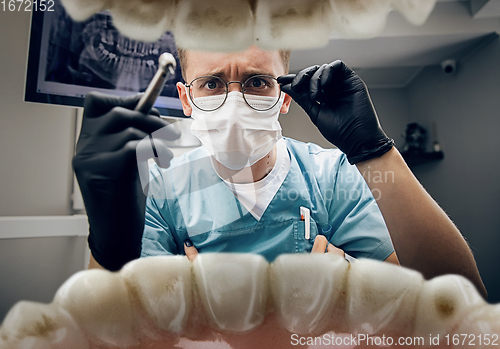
[
  {"x": 247, "y": 74},
  {"x": 218, "y": 72}
]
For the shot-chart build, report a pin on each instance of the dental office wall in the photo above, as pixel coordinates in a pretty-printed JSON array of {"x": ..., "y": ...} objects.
[
  {"x": 466, "y": 109},
  {"x": 36, "y": 143}
]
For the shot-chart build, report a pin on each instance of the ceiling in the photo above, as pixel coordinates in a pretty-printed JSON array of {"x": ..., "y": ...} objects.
[{"x": 454, "y": 30}]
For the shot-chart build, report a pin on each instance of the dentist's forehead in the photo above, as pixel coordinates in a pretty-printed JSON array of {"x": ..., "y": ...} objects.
[{"x": 234, "y": 65}]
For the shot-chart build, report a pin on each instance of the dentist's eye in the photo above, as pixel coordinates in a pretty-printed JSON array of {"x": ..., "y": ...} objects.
[
  {"x": 262, "y": 85},
  {"x": 257, "y": 83},
  {"x": 208, "y": 86},
  {"x": 211, "y": 85}
]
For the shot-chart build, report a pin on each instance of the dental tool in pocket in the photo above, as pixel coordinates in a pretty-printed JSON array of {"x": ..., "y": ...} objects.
[
  {"x": 166, "y": 66},
  {"x": 305, "y": 215}
]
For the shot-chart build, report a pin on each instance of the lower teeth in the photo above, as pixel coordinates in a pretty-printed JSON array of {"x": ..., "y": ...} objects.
[{"x": 157, "y": 300}]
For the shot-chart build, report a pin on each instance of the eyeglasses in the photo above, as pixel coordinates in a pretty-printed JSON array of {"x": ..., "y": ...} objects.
[{"x": 212, "y": 86}]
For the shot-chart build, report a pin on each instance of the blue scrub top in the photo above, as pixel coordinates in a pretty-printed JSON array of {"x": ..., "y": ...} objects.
[{"x": 189, "y": 200}]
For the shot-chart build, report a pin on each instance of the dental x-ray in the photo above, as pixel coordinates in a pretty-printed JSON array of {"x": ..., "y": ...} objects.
[{"x": 68, "y": 59}]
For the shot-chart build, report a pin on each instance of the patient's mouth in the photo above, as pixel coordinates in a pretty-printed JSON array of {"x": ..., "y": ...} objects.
[{"x": 241, "y": 300}]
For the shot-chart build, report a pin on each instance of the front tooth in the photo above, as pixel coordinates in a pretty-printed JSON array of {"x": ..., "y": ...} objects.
[
  {"x": 81, "y": 10},
  {"x": 163, "y": 286},
  {"x": 415, "y": 11},
  {"x": 360, "y": 19},
  {"x": 99, "y": 302},
  {"x": 443, "y": 301},
  {"x": 232, "y": 289},
  {"x": 305, "y": 290},
  {"x": 40, "y": 326},
  {"x": 292, "y": 23},
  {"x": 382, "y": 296},
  {"x": 216, "y": 25},
  {"x": 146, "y": 21}
]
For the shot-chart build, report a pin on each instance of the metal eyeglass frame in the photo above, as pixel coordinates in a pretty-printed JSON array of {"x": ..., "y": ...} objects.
[{"x": 242, "y": 84}]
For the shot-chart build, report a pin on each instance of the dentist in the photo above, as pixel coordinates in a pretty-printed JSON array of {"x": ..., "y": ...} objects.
[{"x": 245, "y": 189}]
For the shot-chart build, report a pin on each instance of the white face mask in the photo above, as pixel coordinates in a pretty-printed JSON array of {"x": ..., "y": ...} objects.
[{"x": 236, "y": 135}]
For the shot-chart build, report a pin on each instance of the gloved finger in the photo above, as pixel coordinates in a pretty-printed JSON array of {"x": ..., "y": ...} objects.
[
  {"x": 136, "y": 152},
  {"x": 315, "y": 84},
  {"x": 297, "y": 84},
  {"x": 301, "y": 81},
  {"x": 334, "y": 78},
  {"x": 334, "y": 73},
  {"x": 97, "y": 104},
  {"x": 156, "y": 126},
  {"x": 288, "y": 90},
  {"x": 120, "y": 118},
  {"x": 320, "y": 244},
  {"x": 190, "y": 250},
  {"x": 286, "y": 79},
  {"x": 304, "y": 100},
  {"x": 154, "y": 112},
  {"x": 105, "y": 165},
  {"x": 285, "y": 84},
  {"x": 298, "y": 87},
  {"x": 119, "y": 140}
]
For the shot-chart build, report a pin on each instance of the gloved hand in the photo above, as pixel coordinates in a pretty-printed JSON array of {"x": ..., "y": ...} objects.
[
  {"x": 337, "y": 102},
  {"x": 106, "y": 166}
]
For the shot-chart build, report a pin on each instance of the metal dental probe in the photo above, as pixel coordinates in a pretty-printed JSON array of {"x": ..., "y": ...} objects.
[{"x": 166, "y": 64}]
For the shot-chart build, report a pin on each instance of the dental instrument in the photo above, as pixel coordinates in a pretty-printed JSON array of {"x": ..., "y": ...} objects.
[{"x": 166, "y": 65}]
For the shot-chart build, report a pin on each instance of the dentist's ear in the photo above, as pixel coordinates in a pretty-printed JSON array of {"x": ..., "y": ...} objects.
[
  {"x": 286, "y": 104},
  {"x": 186, "y": 107}
]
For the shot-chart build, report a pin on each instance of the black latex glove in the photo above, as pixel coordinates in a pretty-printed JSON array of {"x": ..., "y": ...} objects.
[
  {"x": 337, "y": 102},
  {"x": 109, "y": 154}
]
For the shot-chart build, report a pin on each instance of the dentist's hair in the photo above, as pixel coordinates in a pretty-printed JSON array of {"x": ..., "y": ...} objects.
[{"x": 182, "y": 54}]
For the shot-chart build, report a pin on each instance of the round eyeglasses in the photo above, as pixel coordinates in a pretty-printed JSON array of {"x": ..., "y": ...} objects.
[{"x": 256, "y": 86}]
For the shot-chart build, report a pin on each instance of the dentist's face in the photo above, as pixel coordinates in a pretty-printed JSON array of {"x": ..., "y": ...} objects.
[{"x": 237, "y": 66}]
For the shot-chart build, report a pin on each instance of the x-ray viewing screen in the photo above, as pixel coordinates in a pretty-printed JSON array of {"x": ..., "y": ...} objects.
[{"x": 68, "y": 59}]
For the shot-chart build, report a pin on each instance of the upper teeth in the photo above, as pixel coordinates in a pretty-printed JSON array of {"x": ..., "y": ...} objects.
[
  {"x": 233, "y": 25},
  {"x": 308, "y": 293}
]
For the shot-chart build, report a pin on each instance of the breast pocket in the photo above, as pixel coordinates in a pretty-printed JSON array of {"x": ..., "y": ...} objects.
[{"x": 301, "y": 243}]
